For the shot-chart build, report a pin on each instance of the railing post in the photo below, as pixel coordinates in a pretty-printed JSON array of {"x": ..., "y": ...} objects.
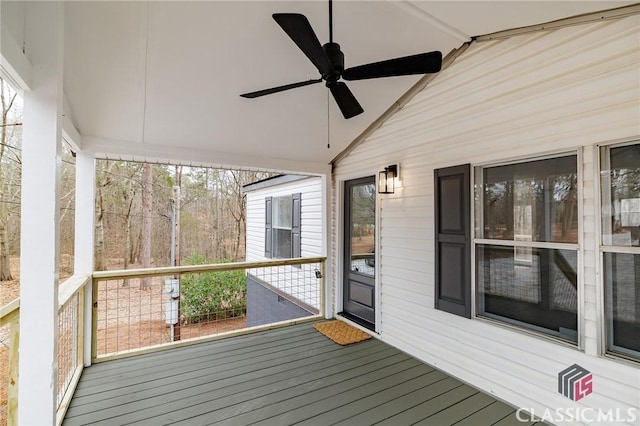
[
  {"x": 323, "y": 288},
  {"x": 80, "y": 328},
  {"x": 84, "y": 236},
  {"x": 12, "y": 390},
  {"x": 94, "y": 319}
]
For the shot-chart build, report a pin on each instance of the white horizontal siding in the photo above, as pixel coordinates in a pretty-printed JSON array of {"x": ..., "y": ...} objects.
[
  {"x": 546, "y": 92},
  {"x": 299, "y": 283},
  {"x": 312, "y": 216}
]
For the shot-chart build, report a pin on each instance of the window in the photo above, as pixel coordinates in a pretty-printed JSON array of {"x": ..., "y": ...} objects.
[
  {"x": 620, "y": 189},
  {"x": 282, "y": 226},
  {"x": 282, "y": 216},
  {"x": 527, "y": 245}
]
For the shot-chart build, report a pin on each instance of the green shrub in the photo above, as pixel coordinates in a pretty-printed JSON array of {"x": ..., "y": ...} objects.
[{"x": 212, "y": 296}]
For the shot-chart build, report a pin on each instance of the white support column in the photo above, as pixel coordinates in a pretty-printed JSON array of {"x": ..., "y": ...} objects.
[
  {"x": 84, "y": 242},
  {"x": 40, "y": 251},
  {"x": 328, "y": 230}
]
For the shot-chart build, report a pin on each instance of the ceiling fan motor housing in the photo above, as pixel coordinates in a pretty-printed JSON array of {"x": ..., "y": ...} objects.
[{"x": 336, "y": 57}]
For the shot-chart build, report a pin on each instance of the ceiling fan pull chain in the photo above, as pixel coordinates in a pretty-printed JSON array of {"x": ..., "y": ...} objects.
[{"x": 330, "y": 21}]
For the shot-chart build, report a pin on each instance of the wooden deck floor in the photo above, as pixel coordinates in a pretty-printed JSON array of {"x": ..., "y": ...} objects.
[{"x": 291, "y": 375}]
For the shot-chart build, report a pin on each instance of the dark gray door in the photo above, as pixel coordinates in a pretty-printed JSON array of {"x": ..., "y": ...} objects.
[{"x": 359, "y": 248}]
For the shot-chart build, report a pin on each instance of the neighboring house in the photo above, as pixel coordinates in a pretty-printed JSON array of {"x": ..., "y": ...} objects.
[
  {"x": 509, "y": 250},
  {"x": 284, "y": 220}
]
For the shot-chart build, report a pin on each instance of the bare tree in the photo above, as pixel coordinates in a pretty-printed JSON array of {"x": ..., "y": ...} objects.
[
  {"x": 147, "y": 210},
  {"x": 138, "y": 202},
  {"x": 7, "y": 99},
  {"x": 129, "y": 197},
  {"x": 67, "y": 216},
  {"x": 102, "y": 181}
]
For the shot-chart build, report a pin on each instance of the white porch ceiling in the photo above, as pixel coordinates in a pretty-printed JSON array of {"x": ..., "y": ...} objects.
[{"x": 162, "y": 79}]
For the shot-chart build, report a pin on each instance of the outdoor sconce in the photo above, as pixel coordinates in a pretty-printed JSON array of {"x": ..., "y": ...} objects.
[{"x": 387, "y": 179}]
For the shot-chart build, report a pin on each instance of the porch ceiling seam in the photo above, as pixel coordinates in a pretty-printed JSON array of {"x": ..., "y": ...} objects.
[
  {"x": 429, "y": 19},
  {"x": 123, "y": 150}
]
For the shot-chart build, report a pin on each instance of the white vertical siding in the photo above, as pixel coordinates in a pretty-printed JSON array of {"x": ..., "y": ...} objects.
[{"x": 552, "y": 91}]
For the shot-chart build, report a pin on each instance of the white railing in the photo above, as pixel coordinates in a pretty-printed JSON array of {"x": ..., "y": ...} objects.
[{"x": 70, "y": 339}]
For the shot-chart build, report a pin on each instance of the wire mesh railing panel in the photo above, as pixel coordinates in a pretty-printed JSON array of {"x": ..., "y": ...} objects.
[
  {"x": 9, "y": 347},
  {"x": 283, "y": 293},
  {"x": 67, "y": 345},
  {"x": 5, "y": 344},
  {"x": 138, "y": 313},
  {"x": 142, "y": 312},
  {"x": 129, "y": 314},
  {"x": 213, "y": 302}
]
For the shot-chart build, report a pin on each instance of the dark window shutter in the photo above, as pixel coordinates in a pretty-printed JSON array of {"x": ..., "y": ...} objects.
[
  {"x": 296, "y": 215},
  {"x": 268, "y": 230},
  {"x": 452, "y": 240}
]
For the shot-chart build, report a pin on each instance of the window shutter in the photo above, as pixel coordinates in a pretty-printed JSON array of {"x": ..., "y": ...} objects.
[
  {"x": 268, "y": 230},
  {"x": 296, "y": 215},
  {"x": 452, "y": 240}
]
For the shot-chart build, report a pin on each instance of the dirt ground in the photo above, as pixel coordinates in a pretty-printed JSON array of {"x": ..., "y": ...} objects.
[
  {"x": 131, "y": 317},
  {"x": 9, "y": 290},
  {"x": 363, "y": 244}
]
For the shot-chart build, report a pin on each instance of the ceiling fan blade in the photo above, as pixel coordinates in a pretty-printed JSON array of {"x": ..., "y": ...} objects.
[
  {"x": 264, "y": 92},
  {"x": 423, "y": 63},
  {"x": 347, "y": 103},
  {"x": 297, "y": 27}
]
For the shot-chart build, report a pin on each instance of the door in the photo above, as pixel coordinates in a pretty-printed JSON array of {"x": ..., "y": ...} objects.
[{"x": 359, "y": 251}]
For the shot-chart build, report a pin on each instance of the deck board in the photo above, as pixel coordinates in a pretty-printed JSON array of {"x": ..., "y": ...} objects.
[
  {"x": 252, "y": 394},
  {"x": 291, "y": 375},
  {"x": 488, "y": 415},
  {"x": 196, "y": 374},
  {"x": 401, "y": 403},
  {"x": 328, "y": 398}
]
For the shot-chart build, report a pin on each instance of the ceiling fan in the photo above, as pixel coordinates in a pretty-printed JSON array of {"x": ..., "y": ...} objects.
[{"x": 329, "y": 60}]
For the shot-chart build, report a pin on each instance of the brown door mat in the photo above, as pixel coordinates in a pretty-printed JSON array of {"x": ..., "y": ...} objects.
[{"x": 341, "y": 332}]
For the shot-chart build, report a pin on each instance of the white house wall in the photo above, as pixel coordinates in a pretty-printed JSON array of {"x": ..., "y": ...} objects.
[
  {"x": 524, "y": 96},
  {"x": 311, "y": 220},
  {"x": 311, "y": 234}
]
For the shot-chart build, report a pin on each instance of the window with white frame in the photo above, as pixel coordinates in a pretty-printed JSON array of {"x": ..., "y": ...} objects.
[
  {"x": 282, "y": 226},
  {"x": 620, "y": 246},
  {"x": 282, "y": 220},
  {"x": 527, "y": 244}
]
